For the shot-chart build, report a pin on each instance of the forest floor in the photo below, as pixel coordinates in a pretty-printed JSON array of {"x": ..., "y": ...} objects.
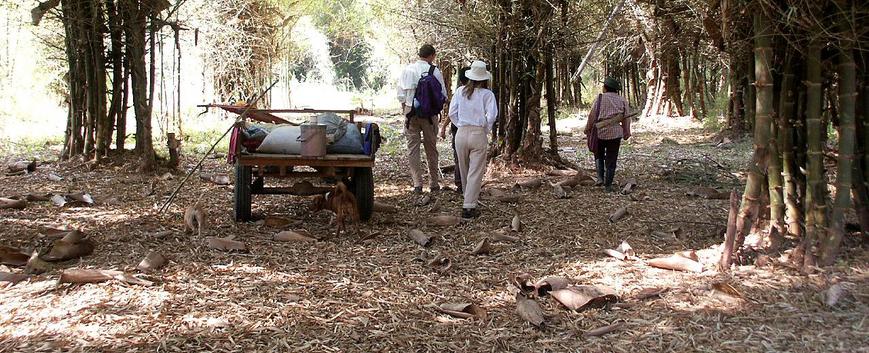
[{"x": 373, "y": 292}]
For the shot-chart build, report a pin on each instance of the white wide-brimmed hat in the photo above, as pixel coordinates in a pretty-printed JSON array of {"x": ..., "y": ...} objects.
[{"x": 478, "y": 72}]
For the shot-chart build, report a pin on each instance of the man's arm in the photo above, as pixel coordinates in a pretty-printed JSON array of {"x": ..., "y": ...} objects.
[{"x": 592, "y": 115}]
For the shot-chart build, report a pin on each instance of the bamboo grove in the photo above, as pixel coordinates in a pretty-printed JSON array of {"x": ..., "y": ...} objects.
[
  {"x": 114, "y": 55},
  {"x": 790, "y": 72}
]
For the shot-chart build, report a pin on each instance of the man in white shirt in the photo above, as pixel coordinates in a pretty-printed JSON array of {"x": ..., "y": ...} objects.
[{"x": 416, "y": 126}]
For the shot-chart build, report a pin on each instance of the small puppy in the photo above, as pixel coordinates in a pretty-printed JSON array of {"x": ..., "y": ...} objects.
[
  {"x": 195, "y": 219},
  {"x": 342, "y": 202}
]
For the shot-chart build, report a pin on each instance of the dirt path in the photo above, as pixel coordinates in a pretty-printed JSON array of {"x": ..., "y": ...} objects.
[{"x": 348, "y": 294}]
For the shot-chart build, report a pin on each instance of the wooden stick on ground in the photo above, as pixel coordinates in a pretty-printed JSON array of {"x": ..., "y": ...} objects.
[{"x": 730, "y": 236}]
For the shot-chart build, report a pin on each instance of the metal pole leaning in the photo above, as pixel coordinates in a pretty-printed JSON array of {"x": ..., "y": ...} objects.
[{"x": 199, "y": 164}]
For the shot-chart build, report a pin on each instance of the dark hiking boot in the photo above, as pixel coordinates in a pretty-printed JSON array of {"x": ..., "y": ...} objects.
[
  {"x": 470, "y": 213},
  {"x": 608, "y": 179},
  {"x": 600, "y": 172}
]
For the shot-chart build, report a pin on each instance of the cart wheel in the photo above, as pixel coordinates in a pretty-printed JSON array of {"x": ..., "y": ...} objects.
[
  {"x": 363, "y": 189},
  {"x": 242, "y": 193}
]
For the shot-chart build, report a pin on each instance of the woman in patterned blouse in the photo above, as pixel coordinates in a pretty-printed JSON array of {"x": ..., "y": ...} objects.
[{"x": 608, "y": 105}]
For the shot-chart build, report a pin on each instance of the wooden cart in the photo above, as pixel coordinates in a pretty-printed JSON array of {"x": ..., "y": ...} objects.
[{"x": 252, "y": 169}]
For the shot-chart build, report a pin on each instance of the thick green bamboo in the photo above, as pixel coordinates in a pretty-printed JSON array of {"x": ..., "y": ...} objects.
[
  {"x": 786, "y": 141},
  {"x": 774, "y": 179},
  {"x": 757, "y": 169},
  {"x": 847, "y": 137},
  {"x": 816, "y": 190}
]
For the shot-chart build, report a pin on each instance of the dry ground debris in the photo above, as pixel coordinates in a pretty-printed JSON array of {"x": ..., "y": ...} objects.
[{"x": 370, "y": 293}]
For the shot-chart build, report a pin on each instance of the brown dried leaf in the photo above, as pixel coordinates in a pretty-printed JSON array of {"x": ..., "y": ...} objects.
[
  {"x": 532, "y": 183},
  {"x": 445, "y": 220},
  {"x": 276, "y": 222},
  {"x": 13, "y": 256},
  {"x": 384, "y": 208},
  {"x": 833, "y": 294},
  {"x": 225, "y": 244},
  {"x": 616, "y": 254},
  {"x": 299, "y": 236},
  {"x": 79, "y": 276},
  {"x": 58, "y": 200},
  {"x": 463, "y": 310},
  {"x": 22, "y": 166},
  {"x": 32, "y": 197},
  {"x": 529, "y": 310},
  {"x": 6, "y": 203},
  {"x": 523, "y": 282},
  {"x": 677, "y": 263},
  {"x": 728, "y": 289},
  {"x": 626, "y": 249},
  {"x": 708, "y": 193},
  {"x": 630, "y": 186},
  {"x": 600, "y": 331},
  {"x": 441, "y": 264},
  {"x": 559, "y": 192},
  {"x": 218, "y": 179},
  {"x": 63, "y": 250},
  {"x": 424, "y": 201},
  {"x": 152, "y": 262},
  {"x": 419, "y": 237},
  {"x": 585, "y": 297},
  {"x": 516, "y": 224},
  {"x": 73, "y": 236},
  {"x": 653, "y": 292},
  {"x": 575, "y": 180},
  {"x": 80, "y": 197},
  {"x": 562, "y": 172},
  {"x": 482, "y": 247},
  {"x": 501, "y": 235},
  {"x": 618, "y": 214},
  {"x": 544, "y": 286},
  {"x": 11, "y": 279},
  {"x": 689, "y": 254}
]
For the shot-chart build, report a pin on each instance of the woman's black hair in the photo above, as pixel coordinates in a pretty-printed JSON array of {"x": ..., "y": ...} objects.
[{"x": 463, "y": 80}]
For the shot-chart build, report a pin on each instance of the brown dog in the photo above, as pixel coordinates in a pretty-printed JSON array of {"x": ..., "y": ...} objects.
[{"x": 342, "y": 202}]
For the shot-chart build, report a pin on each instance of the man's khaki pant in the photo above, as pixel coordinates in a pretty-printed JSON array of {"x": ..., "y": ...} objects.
[
  {"x": 471, "y": 144},
  {"x": 428, "y": 129}
]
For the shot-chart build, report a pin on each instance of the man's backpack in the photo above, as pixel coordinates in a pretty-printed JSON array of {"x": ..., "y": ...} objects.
[{"x": 429, "y": 99}]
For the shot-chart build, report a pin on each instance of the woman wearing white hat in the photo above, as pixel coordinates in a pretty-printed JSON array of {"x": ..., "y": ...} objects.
[{"x": 474, "y": 110}]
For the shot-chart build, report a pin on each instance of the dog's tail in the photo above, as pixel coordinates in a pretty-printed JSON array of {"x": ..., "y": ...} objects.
[{"x": 340, "y": 188}]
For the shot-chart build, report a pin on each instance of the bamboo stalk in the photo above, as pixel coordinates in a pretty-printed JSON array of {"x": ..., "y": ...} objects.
[
  {"x": 847, "y": 136},
  {"x": 816, "y": 190},
  {"x": 757, "y": 169},
  {"x": 786, "y": 136}
]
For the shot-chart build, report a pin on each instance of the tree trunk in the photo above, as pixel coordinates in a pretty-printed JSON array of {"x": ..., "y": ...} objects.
[
  {"x": 786, "y": 142},
  {"x": 118, "y": 76},
  {"x": 757, "y": 169},
  {"x": 816, "y": 190},
  {"x": 847, "y": 136},
  {"x": 551, "y": 100},
  {"x": 136, "y": 20}
]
